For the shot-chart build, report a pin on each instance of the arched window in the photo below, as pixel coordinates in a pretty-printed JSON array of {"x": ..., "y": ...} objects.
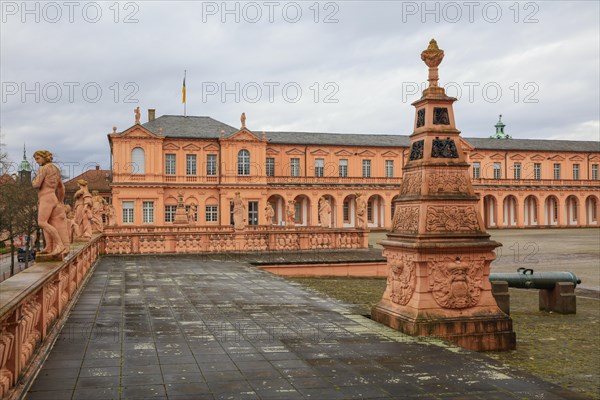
[
  {"x": 137, "y": 161},
  {"x": 244, "y": 162}
]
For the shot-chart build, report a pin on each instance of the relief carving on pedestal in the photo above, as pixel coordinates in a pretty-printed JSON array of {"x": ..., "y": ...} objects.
[
  {"x": 448, "y": 182},
  {"x": 456, "y": 284},
  {"x": 451, "y": 218},
  {"x": 411, "y": 183},
  {"x": 406, "y": 219},
  {"x": 401, "y": 280}
]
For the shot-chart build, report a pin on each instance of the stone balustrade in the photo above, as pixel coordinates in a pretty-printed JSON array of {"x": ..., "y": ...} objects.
[
  {"x": 192, "y": 239},
  {"x": 31, "y": 303}
]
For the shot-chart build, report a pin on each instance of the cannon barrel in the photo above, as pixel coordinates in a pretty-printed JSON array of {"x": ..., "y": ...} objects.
[{"x": 527, "y": 279}]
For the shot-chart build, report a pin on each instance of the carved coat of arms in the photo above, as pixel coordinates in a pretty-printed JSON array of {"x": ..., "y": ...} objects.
[{"x": 456, "y": 284}]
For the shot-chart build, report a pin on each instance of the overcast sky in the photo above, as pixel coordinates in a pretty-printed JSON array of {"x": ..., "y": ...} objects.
[{"x": 70, "y": 71}]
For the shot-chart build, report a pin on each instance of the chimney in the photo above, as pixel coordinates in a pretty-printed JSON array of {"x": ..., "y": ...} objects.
[
  {"x": 151, "y": 114},
  {"x": 97, "y": 168}
]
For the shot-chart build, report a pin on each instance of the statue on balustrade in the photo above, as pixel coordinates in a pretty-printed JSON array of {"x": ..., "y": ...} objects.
[
  {"x": 325, "y": 212},
  {"x": 361, "y": 212},
  {"x": 191, "y": 214},
  {"x": 238, "y": 212},
  {"x": 270, "y": 213},
  {"x": 72, "y": 227},
  {"x": 51, "y": 213},
  {"x": 98, "y": 210},
  {"x": 111, "y": 215},
  {"x": 291, "y": 213},
  {"x": 83, "y": 210}
]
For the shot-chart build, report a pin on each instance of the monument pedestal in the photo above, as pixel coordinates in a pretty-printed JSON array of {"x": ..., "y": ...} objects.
[{"x": 441, "y": 288}]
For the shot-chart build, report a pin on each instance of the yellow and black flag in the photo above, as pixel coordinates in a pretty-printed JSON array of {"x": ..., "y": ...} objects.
[{"x": 183, "y": 90}]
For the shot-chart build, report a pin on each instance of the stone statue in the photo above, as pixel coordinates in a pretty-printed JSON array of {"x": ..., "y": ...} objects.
[
  {"x": 361, "y": 212},
  {"x": 243, "y": 120},
  {"x": 432, "y": 57},
  {"x": 83, "y": 210},
  {"x": 192, "y": 214},
  {"x": 238, "y": 212},
  {"x": 51, "y": 214},
  {"x": 291, "y": 213},
  {"x": 111, "y": 215},
  {"x": 72, "y": 227},
  {"x": 98, "y": 209},
  {"x": 137, "y": 114},
  {"x": 270, "y": 213},
  {"x": 325, "y": 212}
]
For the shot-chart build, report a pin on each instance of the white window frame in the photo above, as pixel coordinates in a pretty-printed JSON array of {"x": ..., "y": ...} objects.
[
  {"x": 147, "y": 212},
  {"x": 170, "y": 164},
  {"x": 389, "y": 168},
  {"x": 212, "y": 213},
  {"x": 211, "y": 165},
  {"x": 294, "y": 167},
  {"x": 319, "y": 167},
  {"x": 476, "y": 170},
  {"x": 497, "y": 170},
  {"x": 243, "y": 162},
  {"x": 170, "y": 211},
  {"x": 366, "y": 168},
  {"x": 343, "y": 168},
  {"x": 270, "y": 166},
  {"x": 128, "y": 208}
]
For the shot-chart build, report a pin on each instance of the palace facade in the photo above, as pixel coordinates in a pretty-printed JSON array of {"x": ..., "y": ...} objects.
[{"x": 522, "y": 183}]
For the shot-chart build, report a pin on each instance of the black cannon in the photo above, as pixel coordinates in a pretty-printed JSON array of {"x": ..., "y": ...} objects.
[
  {"x": 557, "y": 289},
  {"x": 525, "y": 278}
]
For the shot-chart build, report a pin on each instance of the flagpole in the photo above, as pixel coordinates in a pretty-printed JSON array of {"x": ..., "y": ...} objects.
[{"x": 185, "y": 94}]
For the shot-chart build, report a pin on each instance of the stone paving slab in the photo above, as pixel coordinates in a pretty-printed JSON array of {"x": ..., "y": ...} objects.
[{"x": 188, "y": 327}]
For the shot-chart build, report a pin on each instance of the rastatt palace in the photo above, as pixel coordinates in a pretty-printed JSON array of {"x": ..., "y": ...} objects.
[{"x": 522, "y": 183}]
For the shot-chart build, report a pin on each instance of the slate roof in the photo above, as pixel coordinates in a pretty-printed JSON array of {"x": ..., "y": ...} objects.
[{"x": 177, "y": 126}]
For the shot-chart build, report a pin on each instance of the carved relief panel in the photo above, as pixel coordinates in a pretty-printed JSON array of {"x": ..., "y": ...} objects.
[{"x": 456, "y": 283}]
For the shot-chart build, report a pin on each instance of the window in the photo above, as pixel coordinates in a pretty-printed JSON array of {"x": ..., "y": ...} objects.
[
  {"x": 170, "y": 164},
  {"x": 556, "y": 171},
  {"x": 537, "y": 171},
  {"x": 343, "y": 168},
  {"x": 211, "y": 164},
  {"x": 137, "y": 161},
  {"x": 270, "y": 168},
  {"x": 319, "y": 167},
  {"x": 346, "y": 211},
  {"x": 517, "y": 170},
  {"x": 244, "y": 162},
  {"x": 253, "y": 213},
  {"x": 211, "y": 214},
  {"x": 190, "y": 164},
  {"x": 476, "y": 170},
  {"x": 295, "y": 167},
  {"x": 298, "y": 212},
  {"x": 370, "y": 211},
  {"x": 595, "y": 172},
  {"x": 389, "y": 168},
  {"x": 575, "y": 171},
  {"x": 366, "y": 170},
  {"x": 128, "y": 212},
  {"x": 148, "y": 212},
  {"x": 170, "y": 213},
  {"x": 497, "y": 170}
]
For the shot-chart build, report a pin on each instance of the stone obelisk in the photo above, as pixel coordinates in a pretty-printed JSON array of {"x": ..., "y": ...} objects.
[{"x": 438, "y": 252}]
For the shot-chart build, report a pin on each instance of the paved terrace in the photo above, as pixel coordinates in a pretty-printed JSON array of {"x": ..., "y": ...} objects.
[{"x": 189, "y": 327}]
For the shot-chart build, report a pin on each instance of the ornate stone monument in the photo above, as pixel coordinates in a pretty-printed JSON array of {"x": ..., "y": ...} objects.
[
  {"x": 438, "y": 252},
  {"x": 181, "y": 217}
]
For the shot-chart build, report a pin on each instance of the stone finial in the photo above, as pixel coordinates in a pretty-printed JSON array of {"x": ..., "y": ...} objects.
[
  {"x": 160, "y": 131},
  {"x": 137, "y": 114},
  {"x": 114, "y": 129},
  {"x": 222, "y": 133},
  {"x": 243, "y": 120},
  {"x": 432, "y": 57},
  {"x": 264, "y": 135}
]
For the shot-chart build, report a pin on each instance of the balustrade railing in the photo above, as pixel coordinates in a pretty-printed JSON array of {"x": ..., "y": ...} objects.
[{"x": 31, "y": 303}]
